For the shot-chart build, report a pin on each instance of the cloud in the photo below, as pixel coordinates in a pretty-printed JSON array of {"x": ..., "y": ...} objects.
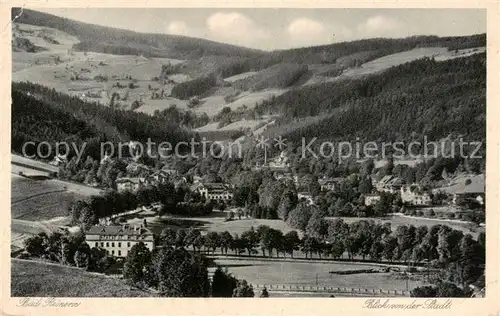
[
  {"x": 235, "y": 28},
  {"x": 305, "y": 27},
  {"x": 178, "y": 28},
  {"x": 304, "y": 31},
  {"x": 380, "y": 26}
]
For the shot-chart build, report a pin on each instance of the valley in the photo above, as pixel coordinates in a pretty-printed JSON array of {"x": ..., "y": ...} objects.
[{"x": 278, "y": 220}]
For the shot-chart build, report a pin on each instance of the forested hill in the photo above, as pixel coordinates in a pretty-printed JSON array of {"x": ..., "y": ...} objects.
[
  {"x": 123, "y": 42},
  {"x": 43, "y": 114},
  {"x": 343, "y": 55},
  {"x": 424, "y": 97}
]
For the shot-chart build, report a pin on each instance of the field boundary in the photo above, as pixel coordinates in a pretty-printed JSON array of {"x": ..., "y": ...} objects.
[{"x": 330, "y": 289}]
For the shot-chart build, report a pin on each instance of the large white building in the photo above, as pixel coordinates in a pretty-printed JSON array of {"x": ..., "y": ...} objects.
[
  {"x": 118, "y": 240},
  {"x": 215, "y": 191},
  {"x": 414, "y": 195}
]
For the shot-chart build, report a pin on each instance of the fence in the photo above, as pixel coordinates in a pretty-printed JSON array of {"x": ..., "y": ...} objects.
[{"x": 330, "y": 289}]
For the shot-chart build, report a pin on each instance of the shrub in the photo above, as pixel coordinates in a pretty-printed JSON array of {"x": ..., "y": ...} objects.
[{"x": 430, "y": 213}]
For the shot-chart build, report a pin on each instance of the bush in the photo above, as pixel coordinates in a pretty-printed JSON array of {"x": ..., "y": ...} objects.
[
  {"x": 451, "y": 215},
  {"x": 430, "y": 213},
  {"x": 101, "y": 78}
]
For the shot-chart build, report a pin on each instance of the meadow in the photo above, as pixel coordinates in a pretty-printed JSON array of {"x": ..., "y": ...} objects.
[
  {"x": 40, "y": 279},
  {"x": 44, "y": 199},
  {"x": 309, "y": 273}
]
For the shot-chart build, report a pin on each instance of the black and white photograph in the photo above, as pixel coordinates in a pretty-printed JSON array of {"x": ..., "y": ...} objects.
[{"x": 248, "y": 152}]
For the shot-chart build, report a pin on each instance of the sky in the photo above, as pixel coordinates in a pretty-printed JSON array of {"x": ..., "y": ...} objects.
[{"x": 271, "y": 29}]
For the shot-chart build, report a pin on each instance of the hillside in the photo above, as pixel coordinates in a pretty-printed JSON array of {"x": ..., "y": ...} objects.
[
  {"x": 122, "y": 42},
  {"x": 153, "y": 73},
  {"x": 39, "y": 113},
  {"x": 40, "y": 279},
  {"x": 425, "y": 97}
]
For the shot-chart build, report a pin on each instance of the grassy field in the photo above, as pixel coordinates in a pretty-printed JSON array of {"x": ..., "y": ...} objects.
[
  {"x": 243, "y": 124},
  {"x": 306, "y": 273},
  {"x": 215, "y": 222},
  {"x": 38, "y": 279},
  {"x": 44, "y": 199},
  {"x": 240, "y": 76},
  {"x": 385, "y": 62}
]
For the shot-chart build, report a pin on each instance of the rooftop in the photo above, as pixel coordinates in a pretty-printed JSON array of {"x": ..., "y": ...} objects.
[
  {"x": 214, "y": 186},
  {"x": 127, "y": 179},
  {"x": 118, "y": 230}
]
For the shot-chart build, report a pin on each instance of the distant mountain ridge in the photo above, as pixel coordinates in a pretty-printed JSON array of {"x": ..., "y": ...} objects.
[
  {"x": 124, "y": 42},
  {"x": 110, "y": 40}
]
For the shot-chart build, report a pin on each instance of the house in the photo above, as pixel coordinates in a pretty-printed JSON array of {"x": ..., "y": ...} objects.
[
  {"x": 58, "y": 160},
  {"x": 371, "y": 199},
  {"x": 118, "y": 240},
  {"x": 130, "y": 184},
  {"x": 283, "y": 176},
  {"x": 330, "y": 184},
  {"x": 137, "y": 168},
  {"x": 414, "y": 195},
  {"x": 159, "y": 177},
  {"x": 280, "y": 163},
  {"x": 389, "y": 184},
  {"x": 306, "y": 196},
  {"x": 466, "y": 189},
  {"x": 215, "y": 191}
]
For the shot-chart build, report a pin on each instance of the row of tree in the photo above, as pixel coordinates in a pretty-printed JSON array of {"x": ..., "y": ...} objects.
[{"x": 67, "y": 249}]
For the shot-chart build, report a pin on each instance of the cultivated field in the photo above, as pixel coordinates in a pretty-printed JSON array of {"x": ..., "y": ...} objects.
[
  {"x": 306, "y": 273},
  {"x": 39, "y": 279}
]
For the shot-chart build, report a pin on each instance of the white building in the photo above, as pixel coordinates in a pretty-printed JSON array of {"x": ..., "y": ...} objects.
[
  {"x": 306, "y": 196},
  {"x": 330, "y": 184},
  {"x": 371, "y": 199},
  {"x": 118, "y": 240},
  {"x": 215, "y": 191},
  {"x": 130, "y": 184},
  {"x": 413, "y": 195}
]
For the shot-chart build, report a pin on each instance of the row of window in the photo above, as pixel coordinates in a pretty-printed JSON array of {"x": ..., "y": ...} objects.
[
  {"x": 219, "y": 197},
  {"x": 113, "y": 252},
  {"x": 125, "y": 237},
  {"x": 112, "y": 244}
]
